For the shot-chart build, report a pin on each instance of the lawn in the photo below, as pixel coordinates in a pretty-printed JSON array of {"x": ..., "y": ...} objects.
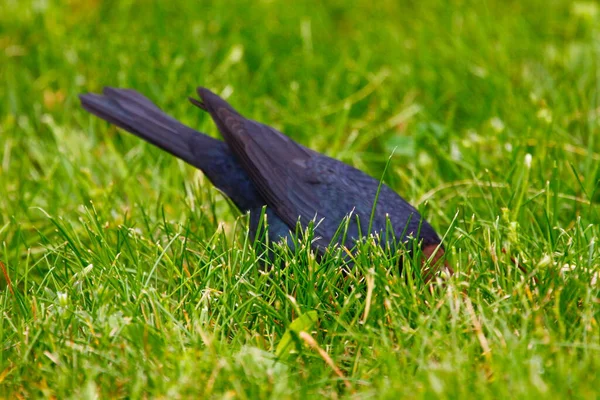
[{"x": 125, "y": 274}]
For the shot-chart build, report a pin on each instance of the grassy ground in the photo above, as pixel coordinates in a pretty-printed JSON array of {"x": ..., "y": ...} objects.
[{"x": 125, "y": 274}]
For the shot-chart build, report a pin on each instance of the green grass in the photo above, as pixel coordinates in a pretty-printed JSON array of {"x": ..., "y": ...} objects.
[{"x": 125, "y": 274}]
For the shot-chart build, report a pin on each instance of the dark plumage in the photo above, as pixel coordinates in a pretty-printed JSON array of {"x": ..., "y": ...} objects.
[{"x": 258, "y": 166}]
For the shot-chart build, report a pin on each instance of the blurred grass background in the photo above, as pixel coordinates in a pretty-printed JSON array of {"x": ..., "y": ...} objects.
[{"x": 174, "y": 304}]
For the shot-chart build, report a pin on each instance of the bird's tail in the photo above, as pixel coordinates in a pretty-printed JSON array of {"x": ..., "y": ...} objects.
[{"x": 133, "y": 112}]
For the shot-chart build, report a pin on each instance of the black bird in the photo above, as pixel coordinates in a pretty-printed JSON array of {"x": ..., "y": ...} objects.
[{"x": 258, "y": 166}]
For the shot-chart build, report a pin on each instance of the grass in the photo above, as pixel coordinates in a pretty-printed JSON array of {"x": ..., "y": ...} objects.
[{"x": 125, "y": 274}]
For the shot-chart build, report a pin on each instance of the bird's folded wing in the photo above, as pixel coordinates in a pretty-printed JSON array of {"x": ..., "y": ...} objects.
[{"x": 276, "y": 164}]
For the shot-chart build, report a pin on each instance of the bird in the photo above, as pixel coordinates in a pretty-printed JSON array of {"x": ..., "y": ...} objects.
[{"x": 268, "y": 175}]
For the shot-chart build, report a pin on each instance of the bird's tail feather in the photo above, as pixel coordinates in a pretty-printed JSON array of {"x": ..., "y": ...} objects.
[{"x": 133, "y": 112}]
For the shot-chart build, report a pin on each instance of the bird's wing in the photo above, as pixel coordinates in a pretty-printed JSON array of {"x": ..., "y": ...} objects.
[{"x": 276, "y": 164}]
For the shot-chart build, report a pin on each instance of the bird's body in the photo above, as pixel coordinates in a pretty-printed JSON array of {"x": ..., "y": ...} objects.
[{"x": 258, "y": 166}]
